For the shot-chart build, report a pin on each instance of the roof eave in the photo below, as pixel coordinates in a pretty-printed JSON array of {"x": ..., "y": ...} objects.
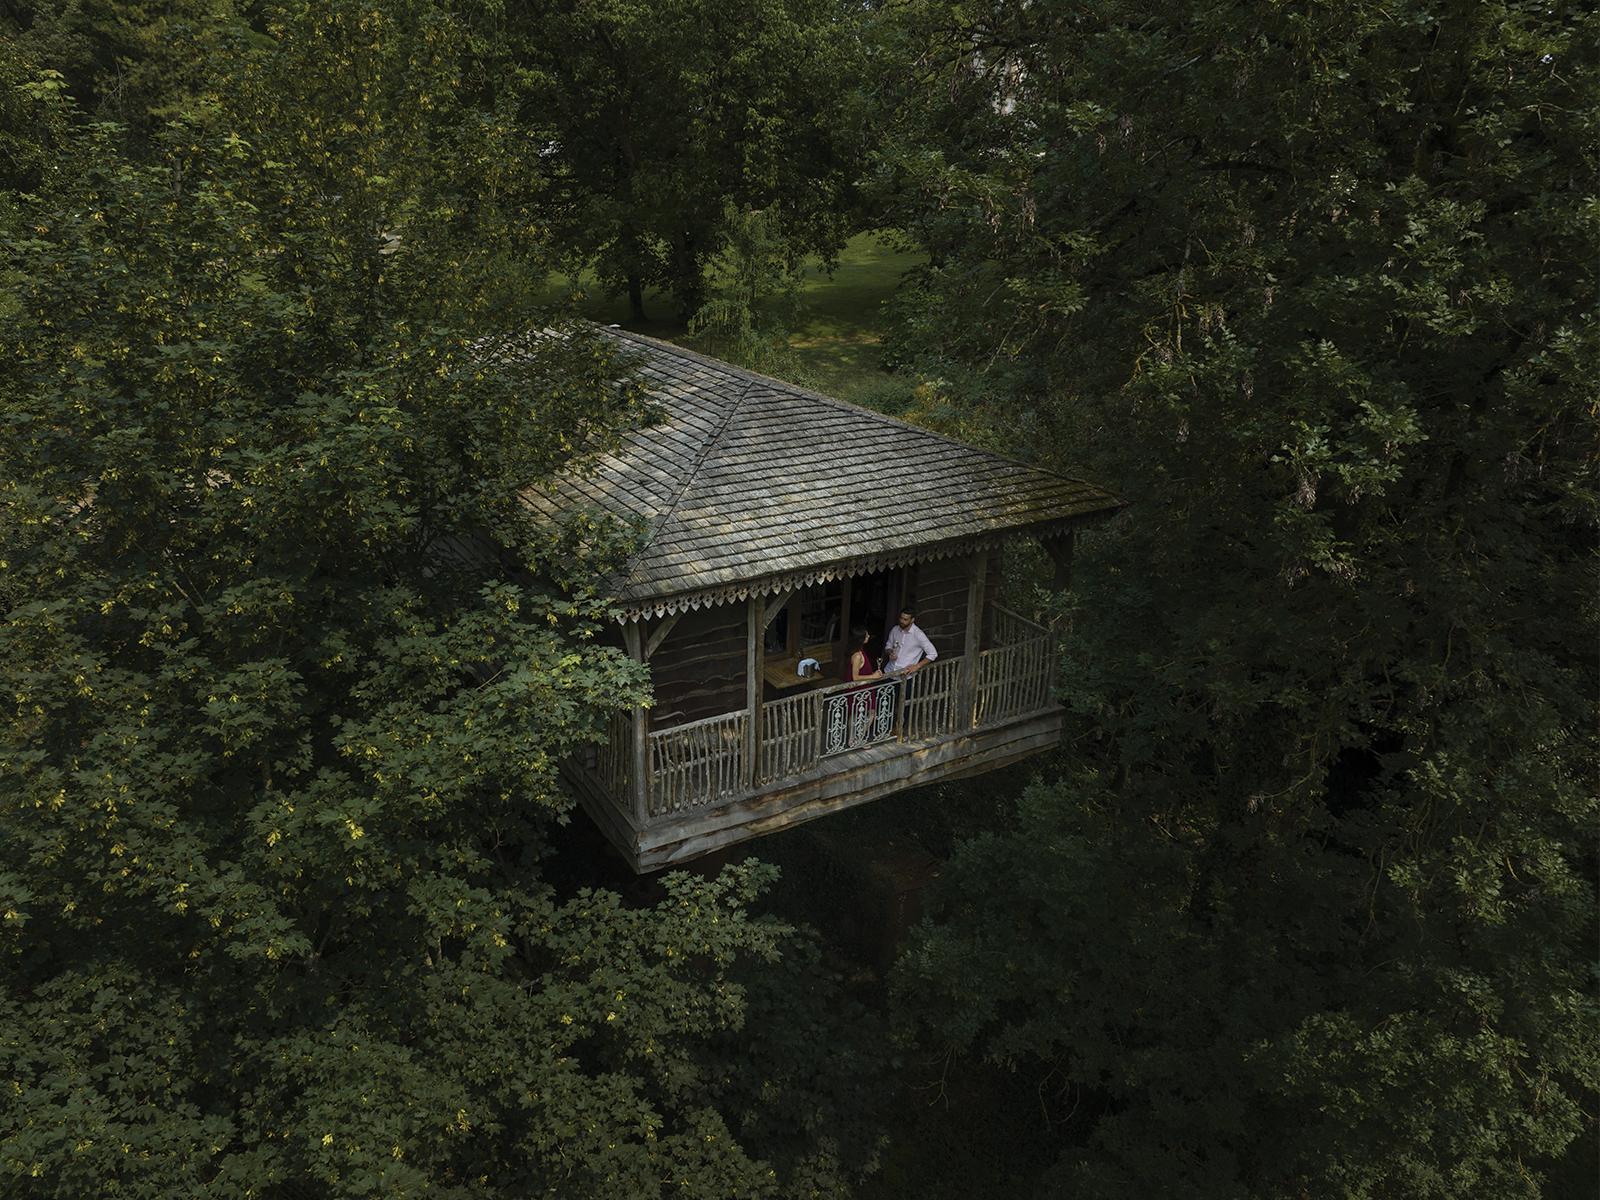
[{"x": 643, "y": 605}]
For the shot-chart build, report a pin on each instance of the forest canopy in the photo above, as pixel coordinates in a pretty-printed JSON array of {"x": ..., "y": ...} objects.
[{"x": 293, "y": 900}]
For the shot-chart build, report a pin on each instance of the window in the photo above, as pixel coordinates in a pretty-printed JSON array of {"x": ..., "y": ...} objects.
[{"x": 820, "y": 614}]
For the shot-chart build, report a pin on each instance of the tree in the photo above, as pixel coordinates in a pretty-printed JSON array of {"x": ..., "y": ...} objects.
[
  {"x": 136, "y": 63},
  {"x": 1309, "y": 912},
  {"x": 278, "y": 769},
  {"x": 746, "y": 314},
  {"x": 659, "y": 120}
]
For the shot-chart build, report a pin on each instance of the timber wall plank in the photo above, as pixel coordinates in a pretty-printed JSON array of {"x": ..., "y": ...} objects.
[
  {"x": 941, "y": 603},
  {"x": 699, "y": 670}
]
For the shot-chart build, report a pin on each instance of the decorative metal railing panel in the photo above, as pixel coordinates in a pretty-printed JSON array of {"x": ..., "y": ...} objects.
[
  {"x": 858, "y": 716},
  {"x": 697, "y": 765},
  {"x": 1016, "y": 680}
]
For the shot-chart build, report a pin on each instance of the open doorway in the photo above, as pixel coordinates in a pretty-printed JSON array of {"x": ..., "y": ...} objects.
[{"x": 875, "y": 602}]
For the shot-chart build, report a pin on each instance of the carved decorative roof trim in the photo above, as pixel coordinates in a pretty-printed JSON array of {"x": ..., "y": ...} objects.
[{"x": 666, "y": 606}]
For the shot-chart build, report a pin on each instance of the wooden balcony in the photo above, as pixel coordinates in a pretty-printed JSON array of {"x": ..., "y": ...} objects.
[{"x": 708, "y": 783}]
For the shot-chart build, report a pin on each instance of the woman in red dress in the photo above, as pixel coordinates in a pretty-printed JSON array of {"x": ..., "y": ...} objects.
[
  {"x": 862, "y": 665},
  {"x": 852, "y": 716}
]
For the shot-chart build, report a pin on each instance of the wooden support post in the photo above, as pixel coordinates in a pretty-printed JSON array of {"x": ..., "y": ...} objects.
[
  {"x": 816, "y": 724},
  {"x": 1060, "y": 551},
  {"x": 757, "y": 633},
  {"x": 977, "y": 570},
  {"x": 633, "y": 636},
  {"x": 769, "y": 613}
]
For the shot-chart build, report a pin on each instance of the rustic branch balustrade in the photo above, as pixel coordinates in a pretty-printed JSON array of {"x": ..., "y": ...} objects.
[{"x": 702, "y": 764}]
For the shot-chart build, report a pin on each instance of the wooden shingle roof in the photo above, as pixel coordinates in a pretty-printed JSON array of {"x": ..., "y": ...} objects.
[{"x": 751, "y": 485}]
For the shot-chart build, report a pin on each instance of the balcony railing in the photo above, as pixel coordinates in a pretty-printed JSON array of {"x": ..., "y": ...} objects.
[
  {"x": 697, "y": 765},
  {"x": 613, "y": 764},
  {"x": 702, "y": 764},
  {"x": 859, "y": 716},
  {"x": 933, "y": 700},
  {"x": 1009, "y": 628},
  {"x": 1015, "y": 679}
]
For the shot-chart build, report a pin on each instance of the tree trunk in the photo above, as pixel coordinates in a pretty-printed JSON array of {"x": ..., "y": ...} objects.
[
  {"x": 689, "y": 285},
  {"x": 636, "y": 295}
]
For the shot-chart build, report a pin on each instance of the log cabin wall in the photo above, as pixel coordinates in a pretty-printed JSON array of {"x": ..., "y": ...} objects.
[
  {"x": 939, "y": 591},
  {"x": 698, "y": 670}
]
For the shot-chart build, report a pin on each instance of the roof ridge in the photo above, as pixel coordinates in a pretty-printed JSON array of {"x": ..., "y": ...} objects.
[{"x": 756, "y": 377}]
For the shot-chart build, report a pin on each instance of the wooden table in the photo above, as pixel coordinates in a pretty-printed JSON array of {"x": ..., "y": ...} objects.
[{"x": 779, "y": 672}]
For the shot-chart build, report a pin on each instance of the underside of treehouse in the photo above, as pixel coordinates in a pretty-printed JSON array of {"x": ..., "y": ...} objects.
[{"x": 777, "y": 525}]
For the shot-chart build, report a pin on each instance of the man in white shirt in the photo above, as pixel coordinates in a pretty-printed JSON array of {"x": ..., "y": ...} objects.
[{"x": 908, "y": 648}]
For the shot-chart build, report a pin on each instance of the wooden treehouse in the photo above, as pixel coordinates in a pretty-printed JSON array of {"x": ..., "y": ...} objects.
[{"x": 776, "y": 520}]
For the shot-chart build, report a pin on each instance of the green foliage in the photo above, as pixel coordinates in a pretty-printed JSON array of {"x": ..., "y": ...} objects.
[
  {"x": 660, "y": 120},
  {"x": 131, "y": 61},
  {"x": 834, "y": 327},
  {"x": 30, "y": 126},
  {"x": 288, "y": 674},
  {"x": 1313, "y": 289},
  {"x": 754, "y": 297}
]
